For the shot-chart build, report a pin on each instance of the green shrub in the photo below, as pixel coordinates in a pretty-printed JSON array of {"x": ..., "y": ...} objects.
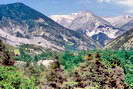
[
  {"x": 70, "y": 59},
  {"x": 24, "y": 56},
  {"x": 129, "y": 79},
  {"x": 10, "y": 78},
  {"x": 29, "y": 57}
]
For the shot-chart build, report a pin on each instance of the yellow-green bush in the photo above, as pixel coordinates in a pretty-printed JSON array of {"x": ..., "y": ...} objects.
[{"x": 10, "y": 78}]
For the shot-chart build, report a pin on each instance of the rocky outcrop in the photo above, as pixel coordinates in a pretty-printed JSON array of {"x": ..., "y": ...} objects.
[{"x": 5, "y": 56}]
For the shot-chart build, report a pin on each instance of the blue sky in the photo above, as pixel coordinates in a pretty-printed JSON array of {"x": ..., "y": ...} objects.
[{"x": 98, "y": 7}]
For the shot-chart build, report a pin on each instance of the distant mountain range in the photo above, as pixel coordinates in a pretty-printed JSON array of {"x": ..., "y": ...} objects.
[
  {"x": 119, "y": 21},
  {"x": 20, "y": 24},
  {"x": 101, "y": 29}
]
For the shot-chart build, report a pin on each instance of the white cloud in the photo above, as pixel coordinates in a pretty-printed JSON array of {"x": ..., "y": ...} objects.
[
  {"x": 127, "y": 3},
  {"x": 123, "y": 2},
  {"x": 104, "y": 0}
]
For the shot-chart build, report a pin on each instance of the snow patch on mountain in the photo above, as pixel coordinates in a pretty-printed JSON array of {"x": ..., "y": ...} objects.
[{"x": 110, "y": 33}]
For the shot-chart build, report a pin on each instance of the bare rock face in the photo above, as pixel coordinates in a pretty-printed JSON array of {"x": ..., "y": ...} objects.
[{"x": 46, "y": 63}]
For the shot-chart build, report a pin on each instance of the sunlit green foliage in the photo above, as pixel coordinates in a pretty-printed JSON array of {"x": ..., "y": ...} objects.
[
  {"x": 71, "y": 59},
  {"x": 10, "y": 78},
  {"x": 26, "y": 56}
]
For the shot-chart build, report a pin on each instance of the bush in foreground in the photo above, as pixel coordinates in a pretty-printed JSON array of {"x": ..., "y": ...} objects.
[{"x": 10, "y": 78}]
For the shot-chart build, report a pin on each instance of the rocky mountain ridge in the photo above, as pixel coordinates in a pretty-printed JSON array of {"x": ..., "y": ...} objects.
[
  {"x": 123, "y": 42},
  {"x": 89, "y": 24},
  {"x": 20, "y": 24}
]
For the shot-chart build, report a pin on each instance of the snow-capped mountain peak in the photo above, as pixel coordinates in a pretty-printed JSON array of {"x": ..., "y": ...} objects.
[
  {"x": 82, "y": 13},
  {"x": 85, "y": 16},
  {"x": 87, "y": 23}
]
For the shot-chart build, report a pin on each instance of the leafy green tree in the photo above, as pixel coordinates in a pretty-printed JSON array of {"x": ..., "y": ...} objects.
[{"x": 70, "y": 59}]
